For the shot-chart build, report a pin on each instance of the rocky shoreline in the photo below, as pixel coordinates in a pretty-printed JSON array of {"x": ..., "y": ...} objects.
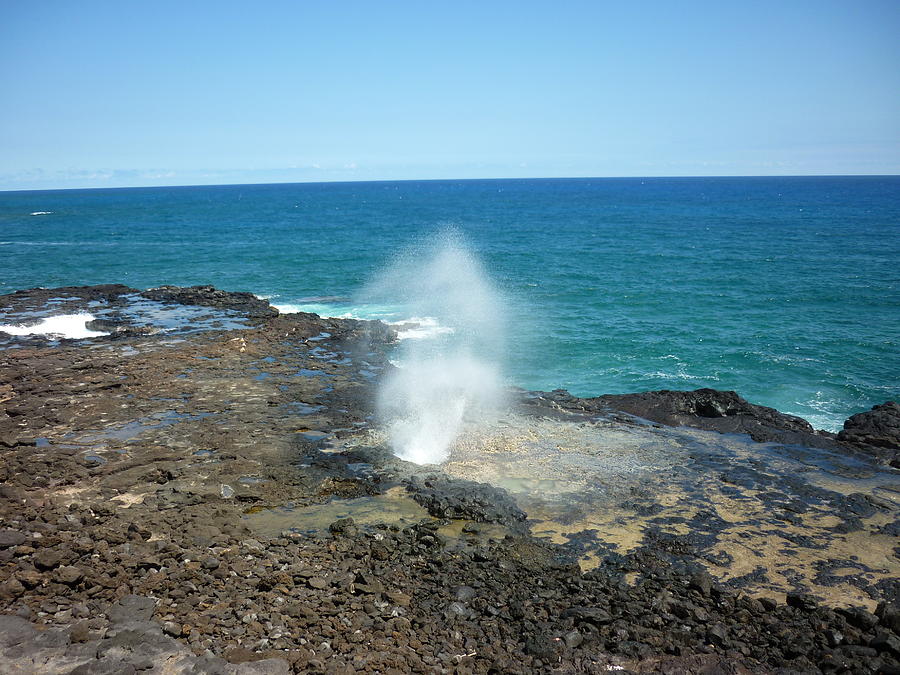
[
  {"x": 874, "y": 432},
  {"x": 200, "y": 489}
]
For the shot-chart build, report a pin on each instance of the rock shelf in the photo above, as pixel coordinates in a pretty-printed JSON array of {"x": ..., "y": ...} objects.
[{"x": 200, "y": 489}]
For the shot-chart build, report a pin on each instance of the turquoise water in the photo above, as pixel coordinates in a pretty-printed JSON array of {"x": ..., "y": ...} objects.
[{"x": 784, "y": 289}]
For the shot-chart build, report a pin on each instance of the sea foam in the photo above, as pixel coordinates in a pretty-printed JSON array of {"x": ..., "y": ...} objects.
[
  {"x": 70, "y": 326},
  {"x": 419, "y": 328}
]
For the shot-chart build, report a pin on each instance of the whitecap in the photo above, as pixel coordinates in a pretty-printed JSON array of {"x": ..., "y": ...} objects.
[
  {"x": 70, "y": 326},
  {"x": 325, "y": 299},
  {"x": 820, "y": 410},
  {"x": 324, "y": 311},
  {"x": 287, "y": 309},
  {"x": 419, "y": 328},
  {"x": 338, "y": 310},
  {"x": 41, "y": 213}
]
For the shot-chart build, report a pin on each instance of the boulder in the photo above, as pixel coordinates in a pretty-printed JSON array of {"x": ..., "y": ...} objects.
[{"x": 875, "y": 432}]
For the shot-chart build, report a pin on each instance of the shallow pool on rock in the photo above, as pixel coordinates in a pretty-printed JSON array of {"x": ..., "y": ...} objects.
[
  {"x": 129, "y": 312},
  {"x": 762, "y": 517},
  {"x": 394, "y": 507}
]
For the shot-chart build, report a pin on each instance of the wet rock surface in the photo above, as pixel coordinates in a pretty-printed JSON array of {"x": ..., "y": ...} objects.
[
  {"x": 133, "y": 468},
  {"x": 875, "y": 432},
  {"x": 209, "y": 296}
]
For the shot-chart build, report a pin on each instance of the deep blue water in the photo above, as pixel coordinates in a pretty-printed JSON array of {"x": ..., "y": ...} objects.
[{"x": 784, "y": 289}]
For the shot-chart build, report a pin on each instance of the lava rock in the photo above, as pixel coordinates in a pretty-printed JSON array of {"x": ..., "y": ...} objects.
[
  {"x": 464, "y": 593},
  {"x": 703, "y": 582},
  {"x": 68, "y": 574},
  {"x": 802, "y": 601},
  {"x": 345, "y": 527},
  {"x": 131, "y": 608},
  {"x": 47, "y": 559},
  {"x": 857, "y": 616},
  {"x": 888, "y": 614},
  {"x": 464, "y": 499},
  {"x": 886, "y": 642},
  {"x": 10, "y": 538},
  {"x": 875, "y": 432},
  {"x": 712, "y": 409},
  {"x": 592, "y": 615},
  {"x": 209, "y": 296},
  {"x": 11, "y": 588},
  {"x": 717, "y": 635}
]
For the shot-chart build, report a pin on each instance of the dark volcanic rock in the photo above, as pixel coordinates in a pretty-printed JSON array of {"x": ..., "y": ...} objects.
[
  {"x": 210, "y": 296},
  {"x": 710, "y": 409},
  {"x": 593, "y": 615},
  {"x": 11, "y": 538},
  {"x": 143, "y": 560},
  {"x": 456, "y": 498},
  {"x": 722, "y": 411},
  {"x": 131, "y": 608},
  {"x": 143, "y": 647},
  {"x": 47, "y": 559},
  {"x": 118, "y": 328},
  {"x": 40, "y": 296},
  {"x": 875, "y": 432},
  {"x": 343, "y": 527},
  {"x": 64, "y": 300},
  {"x": 802, "y": 601}
]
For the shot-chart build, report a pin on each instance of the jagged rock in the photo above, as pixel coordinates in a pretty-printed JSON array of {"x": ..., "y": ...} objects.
[
  {"x": 593, "y": 615},
  {"x": 343, "y": 527},
  {"x": 209, "y": 296},
  {"x": 68, "y": 574},
  {"x": 456, "y": 498},
  {"x": 711, "y": 409},
  {"x": 47, "y": 558},
  {"x": 802, "y": 601},
  {"x": 875, "y": 432},
  {"x": 857, "y": 616},
  {"x": 886, "y": 642}
]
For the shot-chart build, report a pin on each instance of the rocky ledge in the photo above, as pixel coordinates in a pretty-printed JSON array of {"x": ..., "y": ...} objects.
[
  {"x": 875, "y": 432},
  {"x": 176, "y": 501}
]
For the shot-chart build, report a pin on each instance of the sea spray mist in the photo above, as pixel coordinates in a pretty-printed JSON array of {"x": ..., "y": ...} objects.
[{"x": 449, "y": 376}]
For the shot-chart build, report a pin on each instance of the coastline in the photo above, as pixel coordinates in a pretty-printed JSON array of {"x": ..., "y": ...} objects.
[
  {"x": 148, "y": 473},
  {"x": 649, "y": 317}
]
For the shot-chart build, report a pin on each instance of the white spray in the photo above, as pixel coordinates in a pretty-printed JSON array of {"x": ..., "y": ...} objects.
[{"x": 452, "y": 378}]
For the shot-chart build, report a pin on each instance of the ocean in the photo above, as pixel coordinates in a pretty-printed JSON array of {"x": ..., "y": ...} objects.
[{"x": 783, "y": 289}]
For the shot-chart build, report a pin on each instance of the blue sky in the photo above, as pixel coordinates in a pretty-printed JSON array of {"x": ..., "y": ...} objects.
[{"x": 97, "y": 94}]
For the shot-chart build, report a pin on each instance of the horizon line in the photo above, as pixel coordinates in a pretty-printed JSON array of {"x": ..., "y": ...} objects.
[{"x": 453, "y": 180}]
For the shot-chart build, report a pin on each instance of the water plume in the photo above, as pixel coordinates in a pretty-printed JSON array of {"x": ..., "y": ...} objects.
[{"x": 449, "y": 365}]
